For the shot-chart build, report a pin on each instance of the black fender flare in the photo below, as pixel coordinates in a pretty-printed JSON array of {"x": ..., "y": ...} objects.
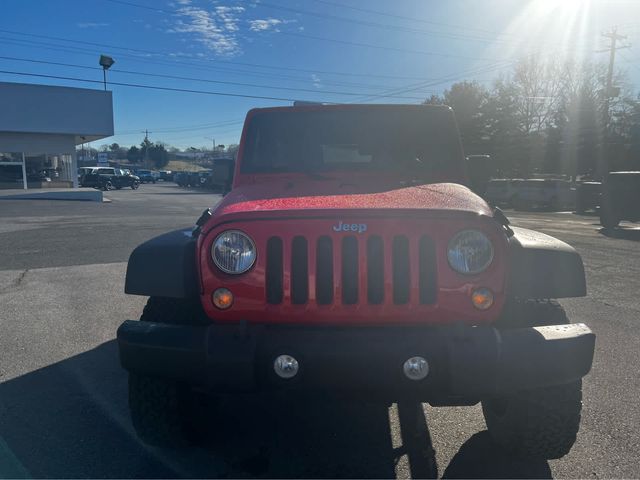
[
  {"x": 164, "y": 266},
  {"x": 542, "y": 266}
]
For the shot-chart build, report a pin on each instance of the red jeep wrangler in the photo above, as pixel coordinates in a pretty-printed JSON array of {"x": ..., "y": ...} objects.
[{"x": 350, "y": 256}]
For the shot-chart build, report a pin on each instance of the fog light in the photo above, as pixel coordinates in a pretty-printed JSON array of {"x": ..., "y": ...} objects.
[
  {"x": 286, "y": 366},
  {"x": 482, "y": 298},
  {"x": 416, "y": 368},
  {"x": 222, "y": 298}
]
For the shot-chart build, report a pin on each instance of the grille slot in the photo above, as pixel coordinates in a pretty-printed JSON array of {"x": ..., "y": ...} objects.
[
  {"x": 350, "y": 273},
  {"x": 375, "y": 270},
  {"x": 401, "y": 272},
  {"x": 385, "y": 262},
  {"x": 274, "y": 271},
  {"x": 299, "y": 271},
  {"x": 324, "y": 271},
  {"x": 427, "y": 273}
]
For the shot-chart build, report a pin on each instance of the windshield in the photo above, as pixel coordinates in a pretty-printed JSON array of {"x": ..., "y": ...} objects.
[{"x": 404, "y": 141}]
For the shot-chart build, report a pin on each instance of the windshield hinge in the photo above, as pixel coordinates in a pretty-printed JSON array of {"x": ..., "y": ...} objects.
[{"x": 501, "y": 218}]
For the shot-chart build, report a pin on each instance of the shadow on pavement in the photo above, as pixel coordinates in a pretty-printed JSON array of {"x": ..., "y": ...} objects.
[
  {"x": 71, "y": 420},
  {"x": 621, "y": 233},
  {"x": 480, "y": 457}
]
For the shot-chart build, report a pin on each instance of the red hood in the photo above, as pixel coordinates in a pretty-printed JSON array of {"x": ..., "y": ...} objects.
[{"x": 325, "y": 195}]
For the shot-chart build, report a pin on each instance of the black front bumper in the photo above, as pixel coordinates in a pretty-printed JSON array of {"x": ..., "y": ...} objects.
[{"x": 464, "y": 362}]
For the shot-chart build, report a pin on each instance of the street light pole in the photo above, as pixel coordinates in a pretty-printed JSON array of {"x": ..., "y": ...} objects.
[{"x": 106, "y": 63}]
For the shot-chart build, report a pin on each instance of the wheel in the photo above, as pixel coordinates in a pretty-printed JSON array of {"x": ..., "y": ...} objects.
[
  {"x": 135, "y": 185},
  {"x": 608, "y": 221},
  {"x": 107, "y": 186},
  {"x": 165, "y": 412},
  {"x": 608, "y": 218},
  {"x": 542, "y": 422}
]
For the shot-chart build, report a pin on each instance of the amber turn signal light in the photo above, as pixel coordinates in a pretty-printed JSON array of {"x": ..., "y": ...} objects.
[
  {"x": 482, "y": 298},
  {"x": 222, "y": 298}
]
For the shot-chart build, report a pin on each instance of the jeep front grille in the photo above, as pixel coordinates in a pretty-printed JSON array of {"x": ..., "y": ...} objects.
[{"x": 350, "y": 270}]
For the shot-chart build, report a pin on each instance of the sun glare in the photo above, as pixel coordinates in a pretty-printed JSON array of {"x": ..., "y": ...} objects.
[
  {"x": 559, "y": 6},
  {"x": 552, "y": 28}
]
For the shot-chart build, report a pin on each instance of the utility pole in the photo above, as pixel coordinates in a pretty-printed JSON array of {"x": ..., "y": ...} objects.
[
  {"x": 609, "y": 93},
  {"x": 146, "y": 148},
  {"x": 213, "y": 149}
]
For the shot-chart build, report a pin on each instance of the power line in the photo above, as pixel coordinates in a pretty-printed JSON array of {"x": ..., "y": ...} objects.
[
  {"x": 445, "y": 79},
  {"x": 412, "y": 19},
  {"x": 152, "y": 87},
  {"x": 193, "y": 79},
  {"x": 398, "y": 28},
  {"x": 344, "y": 42},
  {"x": 173, "y": 63},
  {"x": 184, "y": 128},
  {"x": 145, "y": 59},
  {"x": 383, "y": 47},
  {"x": 276, "y": 67}
]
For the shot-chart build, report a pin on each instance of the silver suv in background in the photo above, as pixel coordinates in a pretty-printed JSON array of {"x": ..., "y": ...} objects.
[
  {"x": 551, "y": 194},
  {"x": 501, "y": 191}
]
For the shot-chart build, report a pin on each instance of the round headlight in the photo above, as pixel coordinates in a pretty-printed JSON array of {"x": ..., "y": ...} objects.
[
  {"x": 470, "y": 252},
  {"x": 233, "y": 252}
]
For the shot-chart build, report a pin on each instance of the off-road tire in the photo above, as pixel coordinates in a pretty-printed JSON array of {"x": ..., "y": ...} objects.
[
  {"x": 608, "y": 218},
  {"x": 164, "y": 412},
  {"x": 538, "y": 423}
]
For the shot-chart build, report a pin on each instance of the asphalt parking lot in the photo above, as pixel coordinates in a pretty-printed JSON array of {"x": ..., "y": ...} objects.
[{"x": 63, "y": 396}]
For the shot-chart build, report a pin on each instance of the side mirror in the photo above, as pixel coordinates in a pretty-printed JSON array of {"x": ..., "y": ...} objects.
[{"x": 480, "y": 171}]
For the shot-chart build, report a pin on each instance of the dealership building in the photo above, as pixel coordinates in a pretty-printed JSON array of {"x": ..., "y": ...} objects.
[{"x": 40, "y": 126}]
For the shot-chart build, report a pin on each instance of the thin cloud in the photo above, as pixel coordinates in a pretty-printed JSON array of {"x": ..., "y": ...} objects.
[
  {"x": 262, "y": 25},
  {"x": 216, "y": 29},
  {"x": 91, "y": 25}
]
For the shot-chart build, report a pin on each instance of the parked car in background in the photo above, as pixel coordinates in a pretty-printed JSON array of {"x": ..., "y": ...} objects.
[
  {"x": 165, "y": 175},
  {"x": 198, "y": 179},
  {"x": 147, "y": 176},
  {"x": 501, "y": 192},
  {"x": 82, "y": 171},
  {"x": 38, "y": 176},
  {"x": 221, "y": 176},
  {"x": 588, "y": 196},
  {"x": 108, "y": 178},
  {"x": 620, "y": 198},
  {"x": 543, "y": 193},
  {"x": 181, "y": 178}
]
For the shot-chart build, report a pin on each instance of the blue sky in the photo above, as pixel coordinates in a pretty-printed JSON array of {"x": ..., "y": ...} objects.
[{"x": 322, "y": 50}]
